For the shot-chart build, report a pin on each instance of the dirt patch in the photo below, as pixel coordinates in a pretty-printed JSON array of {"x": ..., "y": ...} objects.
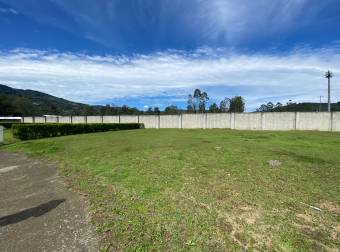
[
  {"x": 305, "y": 217},
  {"x": 240, "y": 225},
  {"x": 249, "y": 214},
  {"x": 335, "y": 234},
  {"x": 37, "y": 212},
  {"x": 330, "y": 206}
]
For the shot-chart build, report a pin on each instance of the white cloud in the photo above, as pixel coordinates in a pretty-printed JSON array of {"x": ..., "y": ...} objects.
[
  {"x": 91, "y": 78},
  {"x": 8, "y": 10},
  {"x": 231, "y": 22}
]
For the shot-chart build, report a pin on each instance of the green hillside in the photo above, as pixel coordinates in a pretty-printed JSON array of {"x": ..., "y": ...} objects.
[
  {"x": 298, "y": 107},
  {"x": 19, "y": 102}
]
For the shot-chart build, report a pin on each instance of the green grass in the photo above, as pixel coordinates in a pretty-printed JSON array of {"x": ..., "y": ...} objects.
[
  {"x": 8, "y": 137},
  {"x": 204, "y": 190}
]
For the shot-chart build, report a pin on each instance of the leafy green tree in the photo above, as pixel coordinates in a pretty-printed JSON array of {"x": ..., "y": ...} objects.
[
  {"x": 225, "y": 105},
  {"x": 270, "y": 107},
  {"x": 149, "y": 111},
  {"x": 197, "y": 102},
  {"x": 214, "y": 108},
  {"x": 237, "y": 104},
  {"x": 156, "y": 111},
  {"x": 171, "y": 110},
  {"x": 190, "y": 106},
  {"x": 88, "y": 110}
]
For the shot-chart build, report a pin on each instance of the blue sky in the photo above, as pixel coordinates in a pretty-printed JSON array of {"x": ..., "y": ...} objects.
[{"x": 154, "y": 53}]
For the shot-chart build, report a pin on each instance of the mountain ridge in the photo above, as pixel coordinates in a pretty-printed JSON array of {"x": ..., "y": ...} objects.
[{"x": 27, "y": 102}]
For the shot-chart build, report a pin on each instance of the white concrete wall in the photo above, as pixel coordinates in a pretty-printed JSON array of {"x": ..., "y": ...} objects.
[
  {"x": 170, "y": 121},
  {"x": 129, "y": 119},
  {"x": 336, "y": 121},
  {"x": 94, "y": 119},
  {"x": 150, "y": 121},
  {"x": 193, "y": 121},
  {"x": 110, "y": 119},
  {"x": 39, "y": 119},
  {"x": 278, "y": 121},
  {"x": 28, "y": 119},
  {"x": 51, "y": 119},
  {"x": 313, "y": 121},
  {"x": 218, "y": 121},
  {"x": 248, "y": 121},
  {"x": 321, "y": 121},
  {"x": 64, "y": 119},
  {"x": 78, "y": 119}
]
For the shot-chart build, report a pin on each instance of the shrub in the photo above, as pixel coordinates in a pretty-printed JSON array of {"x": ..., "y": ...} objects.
[
  {"x": 6, "y": 125},
  {"x": 35, "y": 131}
]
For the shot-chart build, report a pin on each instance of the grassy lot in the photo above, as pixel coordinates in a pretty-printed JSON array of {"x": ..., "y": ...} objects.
[{"x": 204, "y": 190}]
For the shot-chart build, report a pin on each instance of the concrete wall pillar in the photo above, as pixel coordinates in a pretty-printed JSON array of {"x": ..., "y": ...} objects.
[
  {"x": 232, "y": 120},
  {"x": 331, "y": 122},
  {"x": 296, "y": 122},
  {"x": 263, "y": 121}
]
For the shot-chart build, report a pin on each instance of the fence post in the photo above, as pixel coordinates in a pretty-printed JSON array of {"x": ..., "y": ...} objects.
[
  {"x": 296, "y": 122},
  {"x": 71, "y": 119},
  {"x": 263, "y": 120},
  {"x": 137, "y": 118},
  {"x": 332, "y": 119},
  {"x": 102, "y": 119},
  {"x": 159, "y": 122},
  {"x": 181, "y": 121},
  {"x": 57, "y": 119},
  {"x": 205, "y": 120},
  {"x": 45, "y": 119},
  {"x": 85, "y": 118},
  {"x": 232, "y": 120},
  {"x": 119, "y": 119},
  {"x": 33, "y": 119}
]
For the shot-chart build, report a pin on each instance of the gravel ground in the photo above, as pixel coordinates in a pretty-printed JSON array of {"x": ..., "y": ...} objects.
[{"x": 37, "y": 211}]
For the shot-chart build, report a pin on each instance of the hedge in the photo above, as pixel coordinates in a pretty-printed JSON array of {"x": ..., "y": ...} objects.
[
  {"x": 35, "y": 131},
  {"x": 7, "y": 125}
]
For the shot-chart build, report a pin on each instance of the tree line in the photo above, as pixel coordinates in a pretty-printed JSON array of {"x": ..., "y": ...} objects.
[
  {"x": 198, "y": 103},
  {"x": 18, "y": 102},
  {"x": 297, "y": 107}
]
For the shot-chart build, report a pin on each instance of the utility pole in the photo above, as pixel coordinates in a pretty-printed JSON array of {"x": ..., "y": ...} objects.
[{"x": 328, "y": 76}]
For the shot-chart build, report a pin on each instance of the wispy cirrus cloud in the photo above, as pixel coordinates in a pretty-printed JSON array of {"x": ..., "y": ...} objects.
[
  {"x": 8, "y": 10},
  {"x": 173, "y": 74},
  {"x": 149, "y": 24}
]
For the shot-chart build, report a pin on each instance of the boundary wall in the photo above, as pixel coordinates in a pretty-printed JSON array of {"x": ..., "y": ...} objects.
[{"x": 321, "y": 121}]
